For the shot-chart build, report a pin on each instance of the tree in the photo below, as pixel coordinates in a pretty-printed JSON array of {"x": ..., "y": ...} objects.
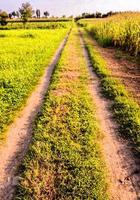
[
  {"x": 38, "y": 13},
  {"x": 26, "y": 12},
  {"x": 46, "y": 14},
  {"x": 63, "y": 16},
  {"x": 3, "y": 17},
  {"x": 92, "y": 15},
  {"x": 104, "y": 15},
  {"x": 85, "y": 15},
  {"x": 88, "y": 15},
  {"x": 98, "y": 15},
  {"x": 110, "y": 13},
  {"x": 10, "y": 15},
  {"x": 17, "y": 14},
  {"x": 77, "y": 18},
  {"x": 14, "y": 13}
]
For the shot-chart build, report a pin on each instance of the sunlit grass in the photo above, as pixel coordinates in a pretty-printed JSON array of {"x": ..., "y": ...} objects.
[
  {"x": 64, "y": 160},
  {"x": 126, "y": 110},
  {"x": 23, "y": 58},
  {"x": 37, "y": 25},
  {"x": 122, "y": 30}
]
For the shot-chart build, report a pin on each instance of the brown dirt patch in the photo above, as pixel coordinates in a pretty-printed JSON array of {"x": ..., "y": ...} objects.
[
  {"x": 128, "y": 72},
  {"x": 71, "y": 75},
  {"x": 60, "y": 92},
  {"x": 123, "y": 166},
  {"x": 20, "y": 133}
]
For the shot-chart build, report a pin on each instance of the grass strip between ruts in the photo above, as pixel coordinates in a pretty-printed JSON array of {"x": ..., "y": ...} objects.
[{"x": 64, "y": 160}]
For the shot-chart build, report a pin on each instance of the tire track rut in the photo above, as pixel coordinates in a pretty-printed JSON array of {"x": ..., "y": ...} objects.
[
  {"x": 123, "y": 166},
  {"x": 20, "y": 132}
]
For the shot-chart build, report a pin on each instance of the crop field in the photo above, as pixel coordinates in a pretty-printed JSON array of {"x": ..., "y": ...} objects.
[
  {"x": 122, "y": 30},
  {"x": 70, "y": 108},
  {"x": 23, "y": 57},
  {"x": 36, "y": 25}
]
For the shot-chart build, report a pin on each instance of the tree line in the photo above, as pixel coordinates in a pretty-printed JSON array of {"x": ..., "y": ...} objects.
[
  {"x": 25, "y": 12},
  {"x": 96, "y": 15}
]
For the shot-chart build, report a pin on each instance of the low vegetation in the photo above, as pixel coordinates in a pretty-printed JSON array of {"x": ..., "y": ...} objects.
[
  {"x": 3, "y": 18},
  {"x": 23, "y": 58},
  {"x": 67, "y": 157},
  {"x": 26, "y": 13},
  {"x": 126, "y": 110},
  {"x": 122, "y": 31},
  {"x": 64, "y": 159},
  {"x": 37, "y": 25}
]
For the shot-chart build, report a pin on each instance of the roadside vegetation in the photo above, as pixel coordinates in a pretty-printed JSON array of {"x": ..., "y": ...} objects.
[
  {"x": 121, "y": 30},
  {"x": 67, "y": 155},
  {"x": 64, "y": 160},
  {"x": 23, "y": 57},
  {"x": 126, "y": 110},
  {"x": 37, "y": 25}
]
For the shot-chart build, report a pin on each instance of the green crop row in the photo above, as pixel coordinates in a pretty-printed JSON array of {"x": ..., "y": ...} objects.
[
  {"x": 121, "y": 31},
  {"x": 36, "y": 25},
  {"x": 64, "y": 159},
  {"x": 126, "y": 110},
  {"x": 23, "y": 58}
]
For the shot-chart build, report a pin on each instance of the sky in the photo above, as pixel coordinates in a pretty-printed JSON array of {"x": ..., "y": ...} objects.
[{"x": 73, "y": 7}]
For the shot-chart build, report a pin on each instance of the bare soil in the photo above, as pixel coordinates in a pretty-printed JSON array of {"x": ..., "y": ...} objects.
[
  {"x": 128, "y": 72},
  {"x": 20, "y": 133},
  {"x": 123, "y": 166}
]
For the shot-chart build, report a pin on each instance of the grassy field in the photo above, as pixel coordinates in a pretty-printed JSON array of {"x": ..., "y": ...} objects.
[
  {"x": 64, "y": 160},
  {"x": 23, "y": 58},
  {"x": 36, "y": 25},
  {"x": 65, "y": 156},
  {"x": 126, "y": 110},
  {"x": 122, "y": 31}
]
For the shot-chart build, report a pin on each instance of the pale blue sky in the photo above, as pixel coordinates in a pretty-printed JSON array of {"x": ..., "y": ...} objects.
[{"x": 73, "y": 7}]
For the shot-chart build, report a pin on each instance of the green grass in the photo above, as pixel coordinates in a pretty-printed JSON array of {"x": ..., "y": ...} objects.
[
  {"x": 37, "y": 25},
  {"x": 64, "y": 160},
  {"x": 23, "y": 57},
  {"x": 121, "y": 31},
  {"x": 126, "y": 110}
]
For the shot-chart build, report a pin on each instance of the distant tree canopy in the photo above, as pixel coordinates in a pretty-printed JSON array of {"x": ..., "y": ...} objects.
[
  {"x": 26, "y": 12},
  {"x": 64, "y": 16},
  {"x": 3, "y": 17},
  {"x": 46, "y": 14},
  {"x": 38, "y": 13},
  {"x": 10, "y": 15},
  {"x": 17, "y": 14},
  {"x": 14, "y": 14},
  {"x": 96, "y": 15}
]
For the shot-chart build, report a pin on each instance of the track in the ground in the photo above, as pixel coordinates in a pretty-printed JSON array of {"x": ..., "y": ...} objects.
[
  {"x": 127, "y": 72},
  {"x": 123, "y": 169},
  {"x": 19, "y": 133},
  {"x": 123, "y": 166}
]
